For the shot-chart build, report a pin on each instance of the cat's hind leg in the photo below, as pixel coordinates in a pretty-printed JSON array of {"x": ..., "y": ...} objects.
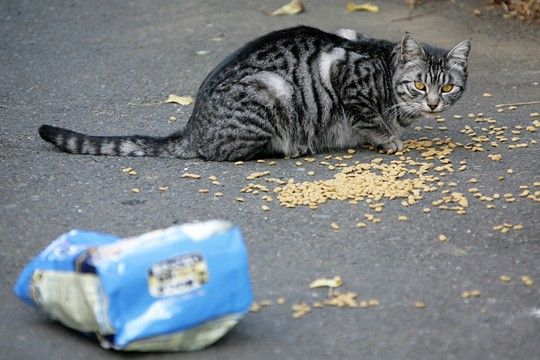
[
  {"x": 228, "y": 144},
  {"x": 247, "y": 119}
]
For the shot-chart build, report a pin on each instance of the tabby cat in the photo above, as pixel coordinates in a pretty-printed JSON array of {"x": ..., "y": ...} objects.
[{"x": 300, "y": 91}]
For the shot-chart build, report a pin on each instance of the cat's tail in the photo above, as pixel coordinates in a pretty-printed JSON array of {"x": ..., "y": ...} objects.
[{"x": 76, "y": 143}]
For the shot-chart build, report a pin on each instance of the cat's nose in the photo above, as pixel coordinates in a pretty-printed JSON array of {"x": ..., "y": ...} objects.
[{"x": 433, "y": 106}]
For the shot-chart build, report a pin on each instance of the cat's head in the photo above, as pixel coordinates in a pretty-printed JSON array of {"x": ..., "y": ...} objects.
[{"x": 427, "y": 79}]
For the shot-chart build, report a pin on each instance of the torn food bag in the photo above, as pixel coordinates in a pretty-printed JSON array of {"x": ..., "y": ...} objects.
[{"x": 177, "y": 289}]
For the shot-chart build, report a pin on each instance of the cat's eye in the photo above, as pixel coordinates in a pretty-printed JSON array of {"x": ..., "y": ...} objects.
[
  {"x": 447, "y": 88},
  {"x": 419, "y": 85}
]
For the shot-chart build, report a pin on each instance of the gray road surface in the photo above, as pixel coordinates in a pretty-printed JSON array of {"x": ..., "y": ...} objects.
[{"x": 87, "y": 64}]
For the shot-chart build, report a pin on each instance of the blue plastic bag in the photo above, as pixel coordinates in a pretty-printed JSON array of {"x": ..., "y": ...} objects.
[{"x": 180, "y": 288}]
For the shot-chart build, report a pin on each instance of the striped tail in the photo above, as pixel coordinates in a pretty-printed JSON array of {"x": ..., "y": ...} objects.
[{"x": 77, "y": 143}]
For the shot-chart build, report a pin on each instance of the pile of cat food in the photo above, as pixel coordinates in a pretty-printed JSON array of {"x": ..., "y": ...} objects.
[{"x": 407, "y": 179}]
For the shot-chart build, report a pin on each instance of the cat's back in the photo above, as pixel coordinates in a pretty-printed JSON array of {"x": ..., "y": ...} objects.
[{"x": 270, "y": 52}]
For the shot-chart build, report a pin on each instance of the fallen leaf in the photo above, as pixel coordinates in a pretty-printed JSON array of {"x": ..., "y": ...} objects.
[
  {"x": 332, "y": 283},
  {"x": 292, "y": 8},
  {"x": 182, "y": 100},
  {"x": 352, "y": 7}
]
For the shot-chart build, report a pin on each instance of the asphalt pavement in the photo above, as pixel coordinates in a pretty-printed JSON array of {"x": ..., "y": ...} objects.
[{"x": 102, "y": 68}]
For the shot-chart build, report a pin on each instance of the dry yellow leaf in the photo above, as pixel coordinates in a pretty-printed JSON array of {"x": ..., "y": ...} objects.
[
  {"x": 181, "y": 100},
  {"x": 292, "y": 8},
  {"x": 352, "y": 7},
  {"x": 322, "y": 282}
]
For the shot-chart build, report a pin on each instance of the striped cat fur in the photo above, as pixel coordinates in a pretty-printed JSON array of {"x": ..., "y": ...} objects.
[{"x": 297, "y": 92}]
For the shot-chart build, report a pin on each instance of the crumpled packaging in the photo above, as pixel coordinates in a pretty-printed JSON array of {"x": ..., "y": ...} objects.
[{"x": 176, "y": 289}]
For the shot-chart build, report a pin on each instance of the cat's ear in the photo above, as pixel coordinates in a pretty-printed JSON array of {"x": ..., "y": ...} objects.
[
  {"x": 460, "y": 53},
  {"x": 411, "y": 49}
]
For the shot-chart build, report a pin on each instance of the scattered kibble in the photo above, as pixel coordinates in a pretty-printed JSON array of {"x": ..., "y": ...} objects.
[
  {"x": 300, "y": 310},
  {"x": 505, "y": 278},
  {"x": 419, "y": 304},
  {"x": 190, "y": 176},
  {"x": 257, "y": 175},
  {"x": 506, "y": 227},
  {"x": 255, "y": 307},
  {"x": 336, "y": 281},
  {"x": 527, "y": 280},
  {"x": 470, "y": 293}
]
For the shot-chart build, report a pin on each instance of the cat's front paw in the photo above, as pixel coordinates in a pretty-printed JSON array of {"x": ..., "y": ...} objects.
[{"x": 392, "y": 145}]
